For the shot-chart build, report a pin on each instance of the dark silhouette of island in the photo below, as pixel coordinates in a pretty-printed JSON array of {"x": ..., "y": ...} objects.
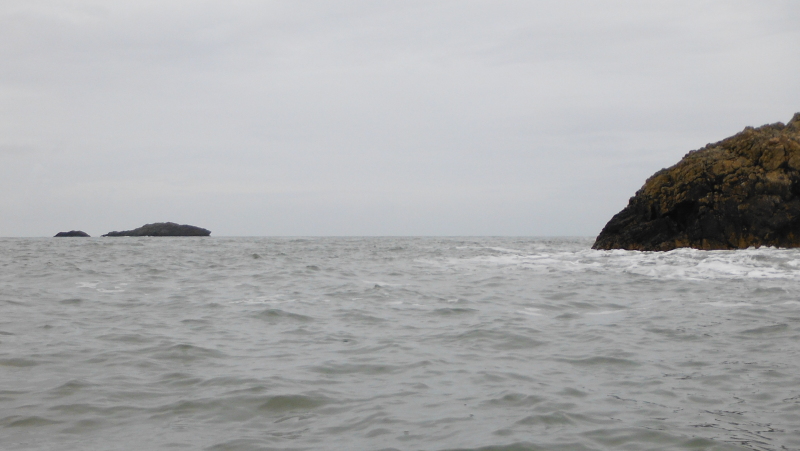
[
  {"x": 740, "y": 192},
  {"x": 71, "y": 233},
  {"x": 163, "y": 229}
]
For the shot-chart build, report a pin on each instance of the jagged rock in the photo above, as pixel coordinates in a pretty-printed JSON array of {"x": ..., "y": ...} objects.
[
  {"x": 163, "y": 229},
  {"x": 72, "y": 233},
  {"x": 740, "y": 192}
]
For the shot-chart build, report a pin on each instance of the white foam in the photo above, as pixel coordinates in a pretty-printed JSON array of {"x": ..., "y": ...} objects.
[
  {"x": 502, "y": 249},
  {"x": 686, "y": 264},
  {"x": 530, "y": 311},
  {"x": 93, "y": 285}
]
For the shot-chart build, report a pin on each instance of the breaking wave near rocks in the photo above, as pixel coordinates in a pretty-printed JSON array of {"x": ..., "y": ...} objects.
[{"x": 394, "y": 344}]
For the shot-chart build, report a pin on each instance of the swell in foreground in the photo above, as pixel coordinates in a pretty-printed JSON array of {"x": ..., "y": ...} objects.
[{"x": 395, "y": 343}]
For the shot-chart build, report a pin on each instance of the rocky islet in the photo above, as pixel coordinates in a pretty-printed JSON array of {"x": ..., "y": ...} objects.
[
  {"x": 72, "y": 234},
  {"x": 740, "y": 192},
  {"x": 163, "y": 229}
]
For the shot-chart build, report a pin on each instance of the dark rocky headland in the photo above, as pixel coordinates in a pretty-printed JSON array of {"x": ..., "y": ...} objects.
[
  {"x": 163, "y": 229},
  {"x": 72, "y": 233},
  {"x": 740, "y": 192}
]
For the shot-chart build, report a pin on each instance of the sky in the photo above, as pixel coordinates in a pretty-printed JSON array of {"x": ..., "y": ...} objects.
[{"x": 370, "y": 118}]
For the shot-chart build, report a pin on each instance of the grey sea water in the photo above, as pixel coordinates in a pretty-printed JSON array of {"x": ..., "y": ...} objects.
[{"x": 395, "y": 343}]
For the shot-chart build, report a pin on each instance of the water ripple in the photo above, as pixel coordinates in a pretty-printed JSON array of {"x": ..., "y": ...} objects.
[{"x": 396, "y": 343}]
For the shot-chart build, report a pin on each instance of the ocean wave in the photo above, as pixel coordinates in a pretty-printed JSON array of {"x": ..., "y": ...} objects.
[{"x": 686, "y": 264}]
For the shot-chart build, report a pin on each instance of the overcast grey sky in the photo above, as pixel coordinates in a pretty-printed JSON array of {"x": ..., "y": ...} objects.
[{"x": 371, "y": 117}]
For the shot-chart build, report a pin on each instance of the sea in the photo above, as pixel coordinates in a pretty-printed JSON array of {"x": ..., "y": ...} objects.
[{"x": 395, "y": 343}]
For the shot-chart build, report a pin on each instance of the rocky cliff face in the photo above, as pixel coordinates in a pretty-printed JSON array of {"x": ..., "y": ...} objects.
[
  {"x": 740, "y": 192},
  {"x": 163, "y": 229}
]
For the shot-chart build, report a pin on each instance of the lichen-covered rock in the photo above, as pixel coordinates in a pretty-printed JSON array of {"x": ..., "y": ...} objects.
[
  {"x": 740, "y": 192},
  {"x": 163, "y": 229},
  {"x": 71, "y": 233}
]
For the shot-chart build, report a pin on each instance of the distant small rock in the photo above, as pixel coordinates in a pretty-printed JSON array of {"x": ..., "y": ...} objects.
[
  {"x": 71, "y": 233},
  {"x": 163, "y": 229}
]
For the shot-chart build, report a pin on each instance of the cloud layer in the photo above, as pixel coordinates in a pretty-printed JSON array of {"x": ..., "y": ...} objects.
[{"x": 371, "y": 118}]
